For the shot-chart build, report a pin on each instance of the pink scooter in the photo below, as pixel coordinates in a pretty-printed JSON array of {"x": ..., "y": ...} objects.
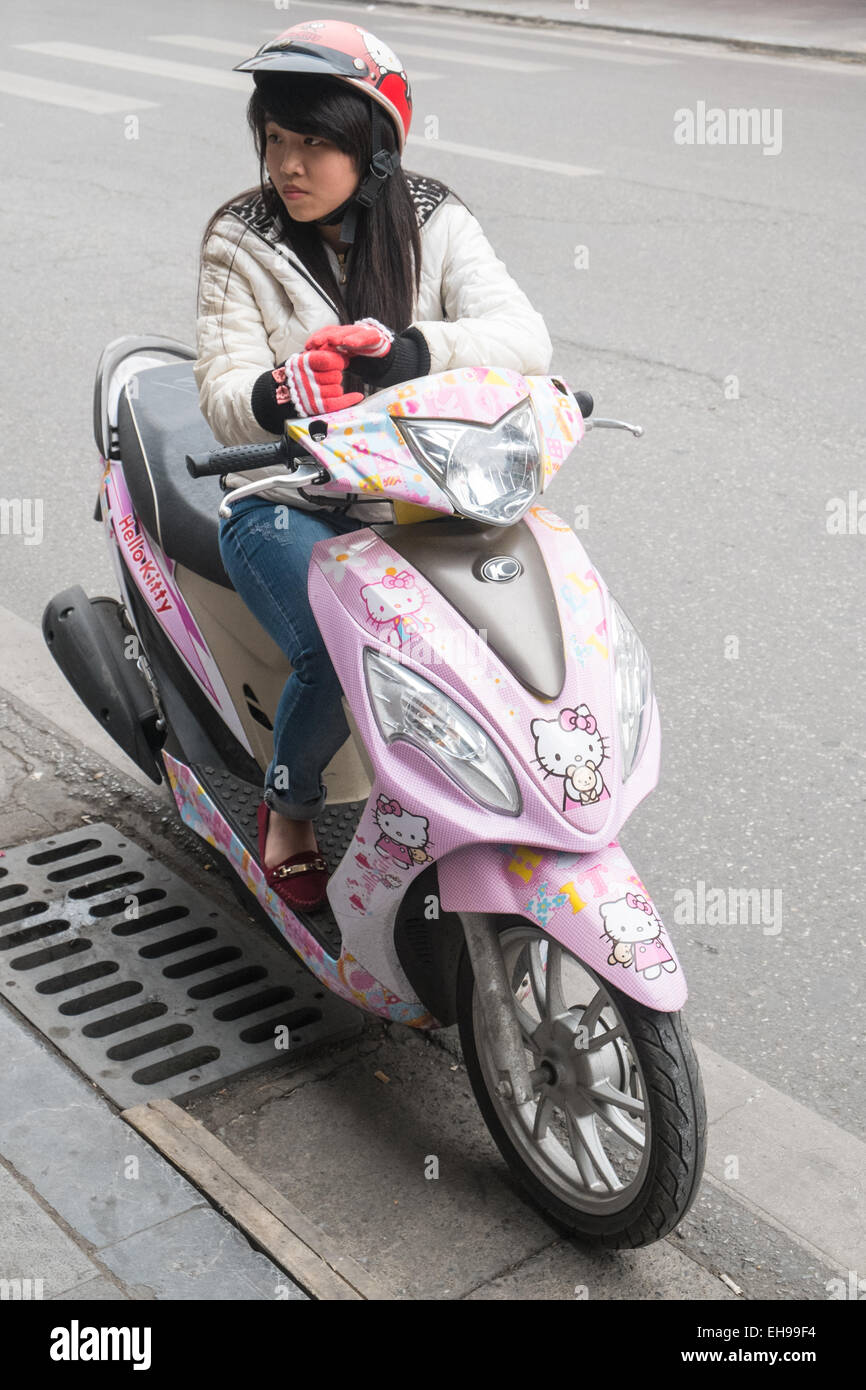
[{"x": 503, "y": 728}]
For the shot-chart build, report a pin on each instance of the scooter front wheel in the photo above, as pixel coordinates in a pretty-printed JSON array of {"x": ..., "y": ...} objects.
[{"x": 612, "y": 1145}]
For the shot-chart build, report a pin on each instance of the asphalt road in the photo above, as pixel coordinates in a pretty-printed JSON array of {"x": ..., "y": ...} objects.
[{"x": 704, "y": 264}]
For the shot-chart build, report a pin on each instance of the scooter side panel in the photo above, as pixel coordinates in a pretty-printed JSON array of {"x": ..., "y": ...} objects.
[
  {"x": 593, "y": 904},
  {"x": 346, "y": 976},
  {"x": 153, "y": 573}
]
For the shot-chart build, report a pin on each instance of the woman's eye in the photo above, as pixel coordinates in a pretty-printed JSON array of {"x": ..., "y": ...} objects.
[{"x": 315, "y": 138}]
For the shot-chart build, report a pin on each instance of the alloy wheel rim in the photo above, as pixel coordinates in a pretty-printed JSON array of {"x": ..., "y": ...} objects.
[{"x": 586, "y": 1134}]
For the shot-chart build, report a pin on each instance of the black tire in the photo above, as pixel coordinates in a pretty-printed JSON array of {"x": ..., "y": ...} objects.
[{"x": 675, "y": 1099}]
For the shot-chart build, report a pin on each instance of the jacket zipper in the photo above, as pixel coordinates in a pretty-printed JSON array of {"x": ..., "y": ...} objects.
[{"x": 296, "y": 265}]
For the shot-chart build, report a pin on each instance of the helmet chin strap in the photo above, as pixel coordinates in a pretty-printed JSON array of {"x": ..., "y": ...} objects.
[{"x": 382, "y": 165}]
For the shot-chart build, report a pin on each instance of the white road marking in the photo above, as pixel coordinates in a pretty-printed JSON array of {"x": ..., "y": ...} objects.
[
  {"x": 98, "y": 102},
  {"x": 135, "y": 62},
  {"x": 518, "y": 161}
]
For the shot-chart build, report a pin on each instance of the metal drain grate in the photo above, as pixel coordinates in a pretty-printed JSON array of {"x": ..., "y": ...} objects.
[{"x": 139, "y": 979}]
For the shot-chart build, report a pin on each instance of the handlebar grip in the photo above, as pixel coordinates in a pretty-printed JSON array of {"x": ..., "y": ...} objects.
[
  {"x": 585, "y": 403},
  {"x": 238, "y": 457}
]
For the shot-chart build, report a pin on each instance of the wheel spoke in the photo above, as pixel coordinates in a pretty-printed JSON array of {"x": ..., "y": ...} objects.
[
  {"x": 622, "y": 1126},
  {"x": 604, "y": 1093},
  {"x": 601, "y": 1039},
  {"x": 591, "y": 1014},
  {"x": 543, "y": 1116},
  {"x": 588, "y": 1151},
  {"x": 578, "y": 1149}
]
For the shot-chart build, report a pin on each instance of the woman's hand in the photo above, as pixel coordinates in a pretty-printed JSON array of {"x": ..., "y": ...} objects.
[
  {"x": 365, "y": 338},
  {"x": 313, "y": 382}
]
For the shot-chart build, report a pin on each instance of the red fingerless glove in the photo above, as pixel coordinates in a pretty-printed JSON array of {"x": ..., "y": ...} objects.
[{"x": 365, "y": 338}]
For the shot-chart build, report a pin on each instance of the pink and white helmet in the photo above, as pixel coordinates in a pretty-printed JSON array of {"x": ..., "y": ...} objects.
[{"x": 334, "y": 48}]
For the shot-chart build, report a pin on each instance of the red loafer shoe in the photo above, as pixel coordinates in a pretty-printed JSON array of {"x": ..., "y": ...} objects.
[{"x": 300, "y": 880}]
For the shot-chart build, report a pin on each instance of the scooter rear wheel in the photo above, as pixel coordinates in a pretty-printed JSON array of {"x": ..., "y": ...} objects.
[{"x": 612, "y": 1146}]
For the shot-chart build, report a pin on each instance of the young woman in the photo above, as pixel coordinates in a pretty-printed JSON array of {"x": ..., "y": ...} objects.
[{"x": 341, "y": 273}]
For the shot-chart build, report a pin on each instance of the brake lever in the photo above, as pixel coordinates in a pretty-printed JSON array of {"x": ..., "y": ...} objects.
[
  {"x": 636, "y": 430},
  {"x": 303, "y": 474}
]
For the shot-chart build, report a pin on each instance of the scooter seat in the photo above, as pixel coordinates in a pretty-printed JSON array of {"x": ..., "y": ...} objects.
[{"x": 159, "y": 422}]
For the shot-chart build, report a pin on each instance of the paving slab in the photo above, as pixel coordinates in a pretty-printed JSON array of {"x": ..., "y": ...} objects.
[
  {"x": 57, "y": 1131},
  {"x": 34, "y": 1247},
  {"x": 562, "y": 1272},
  {"x": 121, "y": 1203},
  {"x": 94, "y": 1291},
  {"x": 199, "y": 1256}
]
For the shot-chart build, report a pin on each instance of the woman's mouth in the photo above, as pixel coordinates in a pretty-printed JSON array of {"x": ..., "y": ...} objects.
[{"x": 294, "y": 193}]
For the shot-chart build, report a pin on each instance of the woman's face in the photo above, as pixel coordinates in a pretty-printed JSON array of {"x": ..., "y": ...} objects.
[{"x": 322, "y": 174}]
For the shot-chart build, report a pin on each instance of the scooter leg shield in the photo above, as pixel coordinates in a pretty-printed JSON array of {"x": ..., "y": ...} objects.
[
  {"x": 594, "y": 905},
  {"x": 86, "y": 638}
]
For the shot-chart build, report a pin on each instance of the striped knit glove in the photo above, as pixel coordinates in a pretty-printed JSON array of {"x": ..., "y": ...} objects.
[
  {"x": 313, "y": 382},
  {"x": 307, "y": 383}
]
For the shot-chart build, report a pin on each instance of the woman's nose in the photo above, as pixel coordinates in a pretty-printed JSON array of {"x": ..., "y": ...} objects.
[{"x": 291, "y": 161}]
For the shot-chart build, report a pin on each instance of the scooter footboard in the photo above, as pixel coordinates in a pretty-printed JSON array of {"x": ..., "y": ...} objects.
[{"x": 595, "y": 905}]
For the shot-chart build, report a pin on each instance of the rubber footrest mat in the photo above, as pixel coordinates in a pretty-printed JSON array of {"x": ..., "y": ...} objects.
[
  {"x": 140, "y": 980},
  {"x": 238, "y": 801}
]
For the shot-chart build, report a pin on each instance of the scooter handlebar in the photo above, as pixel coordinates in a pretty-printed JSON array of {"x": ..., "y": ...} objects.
[
  {"x": 236, "y": 458},
  {"x": 240, "y": 457}
]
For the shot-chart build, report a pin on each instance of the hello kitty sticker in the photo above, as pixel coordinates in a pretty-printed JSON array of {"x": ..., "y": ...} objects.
[
  {"x": 572, "y": 747},
  {"x": 393, "y": 604},
  {"x": 400, "y": 851},
  {"x": 635, "y": 933},
  {"x": 404, "y": 836}
]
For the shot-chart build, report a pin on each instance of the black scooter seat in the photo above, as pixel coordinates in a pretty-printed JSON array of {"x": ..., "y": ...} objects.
[{"x": 158, "y": 424}]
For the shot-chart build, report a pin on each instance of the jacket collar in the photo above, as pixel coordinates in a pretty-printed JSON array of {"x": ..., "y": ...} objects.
[{"x": 427, "y": 194}]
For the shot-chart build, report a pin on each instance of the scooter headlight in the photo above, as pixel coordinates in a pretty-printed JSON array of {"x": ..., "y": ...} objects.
[
  {"x": 633, "y": 676},
  {"x": 408, "y": 707},
  {"x": 490, "y": 472}
]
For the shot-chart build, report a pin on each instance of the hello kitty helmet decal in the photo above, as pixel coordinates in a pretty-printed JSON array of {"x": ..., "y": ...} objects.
[{"x": 335, "y": 48}]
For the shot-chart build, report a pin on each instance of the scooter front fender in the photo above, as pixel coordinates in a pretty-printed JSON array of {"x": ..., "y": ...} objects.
[{"x": 594, "y": 905}]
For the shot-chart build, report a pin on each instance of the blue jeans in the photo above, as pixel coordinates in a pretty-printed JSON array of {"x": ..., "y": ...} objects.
[{"x": 268, "y": 565}]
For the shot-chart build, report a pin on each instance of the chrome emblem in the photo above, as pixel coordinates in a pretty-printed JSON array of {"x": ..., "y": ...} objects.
[{"x": 499, "y": 569}]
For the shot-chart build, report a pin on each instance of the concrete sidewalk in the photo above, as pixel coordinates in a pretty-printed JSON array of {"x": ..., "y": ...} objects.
[
  {"x": 836, "y": 29},
  {"x": 91, "y": 1211}
]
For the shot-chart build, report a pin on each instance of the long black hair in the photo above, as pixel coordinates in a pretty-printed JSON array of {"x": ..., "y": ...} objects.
[{"x": 385, "y": 270}]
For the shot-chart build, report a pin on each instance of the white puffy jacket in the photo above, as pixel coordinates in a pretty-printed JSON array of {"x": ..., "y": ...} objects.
[{"x": 469, "y": 309}]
